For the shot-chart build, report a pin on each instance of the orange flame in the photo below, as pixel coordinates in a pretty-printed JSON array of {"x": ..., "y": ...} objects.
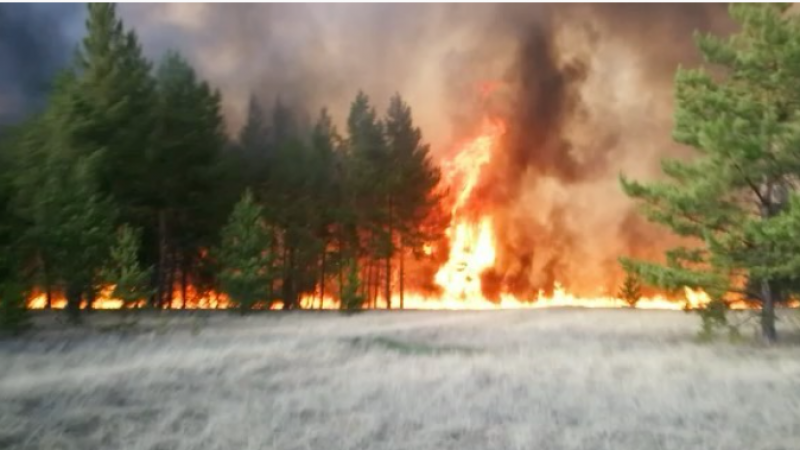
[{"x": 472, "y": 246}]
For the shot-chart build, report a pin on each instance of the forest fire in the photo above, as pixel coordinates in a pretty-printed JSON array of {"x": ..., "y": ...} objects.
[
  {"x": 472, "y": 246},
  {"x": 472, "y": 251}
]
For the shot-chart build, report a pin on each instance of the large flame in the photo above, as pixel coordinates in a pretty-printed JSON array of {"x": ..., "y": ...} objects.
[{"x": 472, "y": 244}]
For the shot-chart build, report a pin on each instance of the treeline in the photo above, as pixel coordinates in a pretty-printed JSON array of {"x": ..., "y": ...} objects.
[{"x": 129, "y": 178}]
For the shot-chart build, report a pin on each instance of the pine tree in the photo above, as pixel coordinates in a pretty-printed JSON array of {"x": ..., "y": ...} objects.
[
  {"x": 244, "y": 255},
  {"x": 27, "y": 148},
  {"x": 68, "y": 219},
  {"x": 294, "y": 210},
  {"x": 326, "y": 191},
  {"x": 351, "y": 299},
  {"x": 369, "y": 166},
  {"x": 731, "y": 197},
  {"x": 631, "y": 291},
  {"x": 52, "y": 171},
  {"x": 255, "y": 147},
  {"x": 185, "y": 198},
  {"x": 72, "y": 223},
  {"x": 13, "y": 312},
  {"x": 84, "y": 157},
  {"x": 131, "y": 281},
  {"x": 14, "y": 316},
  {"x": 415, "y": 196},
  {"x": 254, "y": 136},
  {"x": 111, "y": 107},
  {"x": 78, "y": 224},
  {"x": 9, "y": 223},
  {"x": 284, "y": 124}
]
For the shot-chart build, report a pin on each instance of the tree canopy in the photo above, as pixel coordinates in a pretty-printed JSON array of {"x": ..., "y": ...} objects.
[
  {"x": 124, "y": 144},
  {"x": 733, "y": 200}
]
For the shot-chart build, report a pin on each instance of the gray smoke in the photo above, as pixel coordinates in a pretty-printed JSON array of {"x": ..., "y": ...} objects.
[{"x": 36, "y": 40}]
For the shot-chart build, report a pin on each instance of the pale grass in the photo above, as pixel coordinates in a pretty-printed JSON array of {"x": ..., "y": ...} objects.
[{"x": 540, "y": 379}]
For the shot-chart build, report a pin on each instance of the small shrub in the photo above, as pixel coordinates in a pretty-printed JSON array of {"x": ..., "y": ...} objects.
[
  {"x": 351, "y": 300},
  {"x": 714, "y": 319},
  {"x": 631, "y": 290}
]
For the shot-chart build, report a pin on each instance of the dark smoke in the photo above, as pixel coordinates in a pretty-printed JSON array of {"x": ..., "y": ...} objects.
[
  {"x": 576, "y": 122},
  {"x": 36, "y": 40}
]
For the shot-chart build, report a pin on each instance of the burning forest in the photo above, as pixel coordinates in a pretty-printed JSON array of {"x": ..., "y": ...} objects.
[{"x": 501, "y": 190}]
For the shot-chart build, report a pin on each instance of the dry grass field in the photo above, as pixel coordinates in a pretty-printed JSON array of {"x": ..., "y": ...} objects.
[{"x": 540, "y": 379}]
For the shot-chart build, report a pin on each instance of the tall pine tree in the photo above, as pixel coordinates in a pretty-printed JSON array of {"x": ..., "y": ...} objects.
[
  {"x": 729, "y": 199},
  {"x": 185, "y": 200},
  {"x": 123, "y": 270},
  {"x": 255, "y": 147},
  {"x": 112, "y": 107},
  {"x": 326, "y": 193},
  {"x": 414, "y": 194},
  {"x": 69, "y": 219},
  {"x": 369, "y": 185}
]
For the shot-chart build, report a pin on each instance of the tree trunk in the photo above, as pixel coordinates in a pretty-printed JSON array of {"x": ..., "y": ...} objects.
[
  {"x": 270, "y": 291},
  {"x": 154, "y": 285},
  {"x": 402, "y": 274},
  {"x": 341, "y": 274},
  {"x": 48, "y": 292},
  {"x": 374, "y": 283},
  {"x": 768, "y": 313},
  {"x": 285, "y": 273},
  {"x": 387, "y": 288},
  {"x": 184, "y": 281},
  {"x": 171, "y": 281},
  {"x": 768, "y": 300},
  {"x": 73, "y": 294},
  {"x": 163, "y": 256},
  {"x": 48, "y": 288},
  {"x": 292, "y": 297},
  {"x": 289, "y": 291},
  {"x": 364, "y": 278},
  {"x": 91, "y": 296},
  {"x": 322, "y": 279}
]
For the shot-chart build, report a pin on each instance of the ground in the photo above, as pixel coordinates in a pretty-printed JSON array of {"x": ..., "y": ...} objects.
[{"x": 539, "y": 379}]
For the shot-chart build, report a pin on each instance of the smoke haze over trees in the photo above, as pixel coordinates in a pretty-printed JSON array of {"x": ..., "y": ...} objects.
[
  {"x": 123, "y": 142},
  {"x": 585, "y": 90}
]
